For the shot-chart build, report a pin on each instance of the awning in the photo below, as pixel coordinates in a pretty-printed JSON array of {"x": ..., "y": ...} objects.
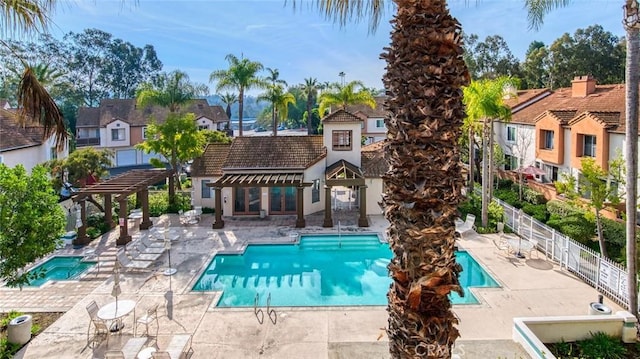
[
  {"x": 344, "y": 173},
  {"x": 261, "y": 180}
]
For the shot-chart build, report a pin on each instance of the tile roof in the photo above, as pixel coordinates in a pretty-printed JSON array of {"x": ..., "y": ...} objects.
[
  {"x": 211, "y": 161},
  {"x": 524, "y": 96},
  {"x": 279, "y": 152},
  {"x": 560, "y": 103},
  {"x": 127, "y": 111},
  {"x": 341, "y": 116},
  {"x": 373, "y": 163},
  {"x": 378, "y": 111},
  {"x": 14, "y": 135},
  {"x": 609, "y": 120}
]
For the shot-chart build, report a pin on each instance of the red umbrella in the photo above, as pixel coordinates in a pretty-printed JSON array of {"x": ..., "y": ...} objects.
[{"x": 531, "y": 170}]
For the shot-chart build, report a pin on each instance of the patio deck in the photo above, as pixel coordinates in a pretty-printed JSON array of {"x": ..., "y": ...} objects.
[{"x": 530, "y": 287}]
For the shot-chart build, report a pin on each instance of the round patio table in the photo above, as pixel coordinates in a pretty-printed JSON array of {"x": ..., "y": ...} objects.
[
  {"x": 114, "y": 313},
  {"x": 520, "y": 245},
  {"x": 146, "y": 353}
]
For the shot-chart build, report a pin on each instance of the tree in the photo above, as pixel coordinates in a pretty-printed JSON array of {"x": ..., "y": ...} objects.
[
  {"x": 631, "y": 21},
  {"x": 280, "y": 101},
  {"x": 32, "y": 221},
  {"x": 213, "y": 136},
  {"x": 241, "y": 75},
  {"x": 229, "y": 99},
  {"x": 178, "y": 139},
  {"x": 80, "y": 165},
  {"x": 274, "y": 77},
  {"x": 310, "y": 90},
  {"x": 171, "y": 90},
  {"x": 485, "y": 104},
  {"x": 491, "y": 58},
  {"x": 27, "y": 16},
  {"x": 343, "y": 95},
  {"x": 535, "y": 68}
]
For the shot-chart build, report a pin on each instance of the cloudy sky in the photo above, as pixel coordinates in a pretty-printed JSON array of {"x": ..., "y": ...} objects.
[{"x": 195, "y": 36}]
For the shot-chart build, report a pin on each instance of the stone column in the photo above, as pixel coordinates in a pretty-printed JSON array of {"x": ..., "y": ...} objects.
[
  {"x": 328, "y": 221},
  {"x": 122, "y": 221},
  {"x": 82, "y": 237},
  {"x": 218, "y": 222},
  {"x": 108, "y": 211},
  {"x": 362, "y": 220},
  {"x": 300, "y": 222},
  {"x": 144, "y": 197}
]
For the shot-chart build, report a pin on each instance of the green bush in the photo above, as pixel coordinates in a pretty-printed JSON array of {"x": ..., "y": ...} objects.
[
  {"x": 576, "y": 227},
  {"x": 614, "y": 232},
  {"x": 602, "y": 345},
  {"x": 532, "y": 196},
  {"x": 537, "y": 211},
  {"x": 93, "y": 232},
  {"x": 563, "y": 209},
  {"x": 508, "y": 196},
  {"x": 496, "y": 214},
  {"x": 8, "y": 350},
  {"x": 504, "y": 183}
]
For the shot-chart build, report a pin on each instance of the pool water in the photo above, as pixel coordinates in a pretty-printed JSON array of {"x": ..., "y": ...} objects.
[
  {"x": 322, "y": 270},
  {"x": 61, "y": 268}
]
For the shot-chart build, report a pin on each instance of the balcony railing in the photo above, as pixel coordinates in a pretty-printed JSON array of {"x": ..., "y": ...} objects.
[{"x": 90, "y": 141}]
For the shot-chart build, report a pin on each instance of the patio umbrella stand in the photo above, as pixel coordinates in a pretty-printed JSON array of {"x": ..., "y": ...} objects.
[
  {"x": 167, "y": 245},
  {"x": 115, "y": 292}
]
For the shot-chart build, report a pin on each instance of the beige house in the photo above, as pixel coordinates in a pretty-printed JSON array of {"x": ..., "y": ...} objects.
[{"x": 292, "y": 175}]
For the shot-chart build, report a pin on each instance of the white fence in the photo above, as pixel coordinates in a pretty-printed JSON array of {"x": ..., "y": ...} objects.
[{"x": 601, "y": 273}]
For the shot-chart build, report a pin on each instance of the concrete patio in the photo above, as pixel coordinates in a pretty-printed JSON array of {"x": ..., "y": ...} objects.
[{"x": 530, "y": 287}]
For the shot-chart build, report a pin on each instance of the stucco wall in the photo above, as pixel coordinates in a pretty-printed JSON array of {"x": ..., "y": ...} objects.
[
  {"x": 116, "y": 125},
  {"x": 352, "y": 156}
]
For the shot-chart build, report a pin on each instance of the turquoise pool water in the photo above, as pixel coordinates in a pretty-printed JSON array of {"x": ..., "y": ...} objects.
[
  {"x": 323, "y": 270},
  {"x": 61, "y": 268}
]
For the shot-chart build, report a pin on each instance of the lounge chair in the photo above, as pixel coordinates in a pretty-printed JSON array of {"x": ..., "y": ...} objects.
[
  {"x": 100, "y": 329},
  {"x": 114, "y": 354},
  {"x": 151, "y": 244},
  {"x": 467, "y": 225},
  {"x": 127, "y": 263},
  {"x": 132, "y": 347},
  {"x": 137, "y": 255},
  {"x": 139, "y": 246},
  {"x": 179, "y": 348}
]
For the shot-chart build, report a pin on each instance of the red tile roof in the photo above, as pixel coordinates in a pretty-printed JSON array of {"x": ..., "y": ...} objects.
[
  {"x": 211, "y": 161},
  {"x": 14, "y": 135},
  {"x": 373, "y": 163},
  {"x": 341, "y": 116},
  {"x": 378, "y": 111},
  {"x": 277, "y": 153}
]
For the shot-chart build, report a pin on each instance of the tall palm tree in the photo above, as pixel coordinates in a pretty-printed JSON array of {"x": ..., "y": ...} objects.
[
  {"x": 631, "y": 21},
  {"x": 241, "y": 75},
  {"x": 310, "y": 90},
  {"x": 229, "y": 99},
  {"x": 349, "y": 94},
  {"x": 485, "y": 104},
  {"x": 172, "y": 91},
  {"x": 424, "y": 79},
  {"x": 274, "y": 77},
  {"x": 34, "y": 102},
  {"x": 280, "y": 101}
]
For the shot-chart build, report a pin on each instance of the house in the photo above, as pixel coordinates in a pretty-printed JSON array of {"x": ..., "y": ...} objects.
[
  {"x": 373, "y": 127},
  {"x": 292, "y": 175},
  {"x": 118, "y": 125},
  {"x": 25, "y": 144},
  {"x": 555, "y": 130}
]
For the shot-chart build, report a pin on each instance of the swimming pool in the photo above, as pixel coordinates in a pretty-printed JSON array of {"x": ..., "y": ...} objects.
[
  {"x": 61, "y": 268},
  {"x": 322, "y": 270}
]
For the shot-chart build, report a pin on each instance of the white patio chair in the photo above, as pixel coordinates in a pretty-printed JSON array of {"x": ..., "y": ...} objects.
[
  {"x": 150, "y": 316},
  {"x": 127, "y": 263},
  {"x": 100, "y": 329},
  {"x": 467, "y": 225}
]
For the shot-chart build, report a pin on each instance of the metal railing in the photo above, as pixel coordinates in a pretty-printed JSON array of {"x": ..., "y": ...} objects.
[{"x": 601, "y": 273}]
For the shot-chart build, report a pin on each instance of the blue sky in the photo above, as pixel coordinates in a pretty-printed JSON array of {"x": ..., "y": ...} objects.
[{"x": 195, "y": 36}]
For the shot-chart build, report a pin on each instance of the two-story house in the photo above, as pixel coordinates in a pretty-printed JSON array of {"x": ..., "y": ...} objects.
[
  {"x": 292, "y": 175},
  {"x": 119, "y": 124},
  {"x": 373, "y": 127},
  {"x": 556, "y": 129},
  {"x": 25, "y": 143}
]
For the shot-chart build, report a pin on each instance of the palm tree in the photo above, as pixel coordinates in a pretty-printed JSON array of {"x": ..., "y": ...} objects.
[
  {"x": 280, "y": 101},
  {"x": 241, "y": 76},
  {"x": 34, "y": 102},
  {"x": 310, "y": 90},
  {"x": 274, "y": 77},
  {"x": 346, "y": 95},
  {"x": 485, "y": 104},
  {"x": 229, "y": 99},
  {"x": 172, "y": 91},
  {"x": 424, "y": 79},
  {"x": 537, "y": 9}
]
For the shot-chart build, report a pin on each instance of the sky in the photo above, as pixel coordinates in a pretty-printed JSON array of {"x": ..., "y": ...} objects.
[{"x": 195, "y": 36}]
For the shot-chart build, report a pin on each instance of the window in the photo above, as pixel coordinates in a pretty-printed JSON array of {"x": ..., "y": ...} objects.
[
  {"x": 379, "y": 123},
  {"x": 548, "y": 140},
  {"x": 144, "y": 133},
  {"x": 315, "y": 191},
  {"x": 341, "y": 140},
  {"x": 511, "y": 134},
  {"x": 203, "y": 127},
  {"x": 206, "y": 190},
  {"x": 53, "y": 154},
  {"x": 589, "y": 146},
  {"x": 246, "y": 200},
  {"x": 117, "y": 134},
  {"x": 510, "y": 162},
  {"x": 282, "y": 200}
]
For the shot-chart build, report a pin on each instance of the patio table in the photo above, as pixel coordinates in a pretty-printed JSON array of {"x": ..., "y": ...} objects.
[
  {"x": 519, "y": 245},
  {"x": 115, "y": 313}
]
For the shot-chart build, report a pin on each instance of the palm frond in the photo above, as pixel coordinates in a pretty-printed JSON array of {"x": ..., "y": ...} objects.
[
  {"x": 24, "y": 16},
  {"x": 35, "y": 102},
  {"x": 342, "y": 11},
  {"x": 537, "y": 9}
]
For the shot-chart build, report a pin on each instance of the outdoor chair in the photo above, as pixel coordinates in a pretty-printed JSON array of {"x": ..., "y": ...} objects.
[
  {"x": 137, "y": 255},
  {"x": 147, "y": 319},
  {"x": 467, "y": 225},
  {"x": 151, "y": 244},
  {"x": 502, "y": 245},
  {"x": 100, "y": 329},
  {"x": 132, "y": 347},
  {"x": 127, "y": 263},
  {"x": 179, "y": 348},
  {"x": 160, "y": 355},
  {"x": 114, "y": 354},
  {"x": 139, "y": 247}
]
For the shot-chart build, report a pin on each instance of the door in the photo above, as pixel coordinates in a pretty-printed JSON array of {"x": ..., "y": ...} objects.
[
  {"x": 282, "y": 200},
  {"x": 246, "y": 200}
]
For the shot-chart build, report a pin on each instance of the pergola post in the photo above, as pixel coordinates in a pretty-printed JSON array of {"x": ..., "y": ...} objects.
[
  {"x": 122, "y": 221},
  {"x": 362, "y": 220},
  {"x": 328, "y": 221},
  {"x": 82, "y": 237},
  {"x": 108, "y": 210},
  {"x": 144, "y": 198},
  {"x": 300, "y": 222},
  {"x": 218, "y": 222}
]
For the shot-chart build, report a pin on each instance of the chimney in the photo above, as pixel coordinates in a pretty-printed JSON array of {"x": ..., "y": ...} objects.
[{"x": 582, "y": 86}]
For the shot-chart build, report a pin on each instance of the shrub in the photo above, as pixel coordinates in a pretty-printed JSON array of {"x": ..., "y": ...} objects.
[
  {"x": 508, "y": 196},
  {"x": 577, "y": 227},
  {"x": 537, "y": 211},
  {"x": 496, "y": 214},
  {"x": 602, "y": 345},
  {"x": 532, "y": 196},
  {"x": 563, "y": 209},
  {"x": 504, "y": 183}
]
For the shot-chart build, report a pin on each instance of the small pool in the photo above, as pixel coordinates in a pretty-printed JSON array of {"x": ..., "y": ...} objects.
[
  {"x": 61, "y": 268},
  {"x": 322, "y": 270}
]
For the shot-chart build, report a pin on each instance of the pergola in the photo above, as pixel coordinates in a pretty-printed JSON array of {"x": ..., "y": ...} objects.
[
  {"x": 343, "y": 173},
  {"x": 121, "y": 186}
]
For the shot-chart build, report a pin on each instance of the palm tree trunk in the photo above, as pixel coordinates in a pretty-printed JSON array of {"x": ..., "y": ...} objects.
[
  {"x": 309, "y": 115},
  {"x": 472, "y": 160},
  {"x": 424, "y": 79},
  {"x": 274, "y": 122},
  {"x": 491, "y": 161},
  {"x": 631, "y": 149},
  {"x": 240, "y": 109},
  {"x": 485, "y": 173}
]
